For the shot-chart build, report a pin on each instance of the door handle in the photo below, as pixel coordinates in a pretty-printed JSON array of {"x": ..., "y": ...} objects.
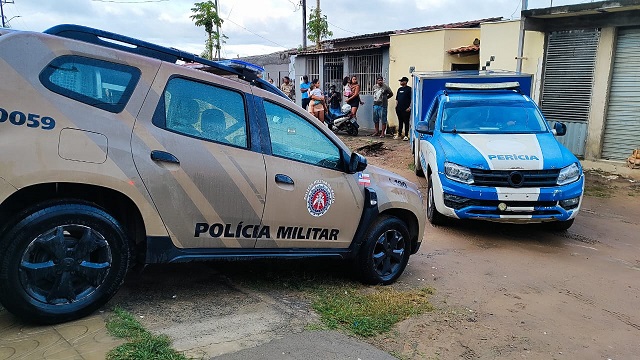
[
  {"x": 284, "y": 179},
  {"x": 163, "y": 156}
]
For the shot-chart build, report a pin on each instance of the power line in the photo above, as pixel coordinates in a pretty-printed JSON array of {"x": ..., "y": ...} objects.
[
  {"x": 129, "y": 2},
  {"x": 514, "y": 11},
  {"x": 349, "y": 31},
  {"x": 256, "y": 34}
]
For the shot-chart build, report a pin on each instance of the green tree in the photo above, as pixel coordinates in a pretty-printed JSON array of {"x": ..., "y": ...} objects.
[
  {"x": 206, "y": 14},
  {"x": 318, "y": 27}
]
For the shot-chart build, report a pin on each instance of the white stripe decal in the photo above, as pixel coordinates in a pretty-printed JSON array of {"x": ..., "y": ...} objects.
[{"x": 508, "y": 151}]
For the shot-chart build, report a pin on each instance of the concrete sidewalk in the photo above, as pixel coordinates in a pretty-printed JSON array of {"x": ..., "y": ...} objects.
[
  {"x": 326, "y": 345},
  {"x": 83, "y": 339}
]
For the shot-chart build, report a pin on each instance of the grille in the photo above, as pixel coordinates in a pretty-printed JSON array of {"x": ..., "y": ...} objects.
[
  {"x": 494, "y": 204},
  {"x": 530, "y": 178}
]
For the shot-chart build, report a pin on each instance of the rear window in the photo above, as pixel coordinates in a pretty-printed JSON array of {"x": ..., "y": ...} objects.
[{"x": 102, "y": 84}]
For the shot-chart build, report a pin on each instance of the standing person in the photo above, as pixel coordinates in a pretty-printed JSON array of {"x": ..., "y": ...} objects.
[
  {"x": 334, "y": 101},
  {"x": 381, "y": 95},
  {"x": 403, "y": 108},
  {"x": 354, "y": 98},
  {"x": 317, "y": 106},
  {"x": 304, "y": 89},
  {"x": 287, "y": 87}
]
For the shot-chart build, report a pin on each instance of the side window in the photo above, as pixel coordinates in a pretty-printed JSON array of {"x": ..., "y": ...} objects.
[
  {"x": 203, "y": 111},
  {"x": 433, "y": 116},
  {"x": 102, "y": 84},
  {"x": 293, "y": 137}
]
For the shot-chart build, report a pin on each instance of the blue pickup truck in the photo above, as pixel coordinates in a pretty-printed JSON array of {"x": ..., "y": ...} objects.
[{"x": 489, "y": 153}]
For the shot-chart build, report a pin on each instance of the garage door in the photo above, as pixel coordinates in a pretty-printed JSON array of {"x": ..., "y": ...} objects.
[
  {"x": 622, "y": 128},
  {"x": 568, "y": 81}
]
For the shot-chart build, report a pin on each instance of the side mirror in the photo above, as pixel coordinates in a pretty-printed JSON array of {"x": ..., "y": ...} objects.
[
  {"x": 423, "y": 128},
  {"x": 559, "y": 129},
  {"x": 357, "y": 163}
]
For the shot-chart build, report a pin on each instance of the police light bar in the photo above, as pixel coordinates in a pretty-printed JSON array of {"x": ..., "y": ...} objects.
[
  {"x": 511, "y": 85},
  {"x": 242, "y": 65}
]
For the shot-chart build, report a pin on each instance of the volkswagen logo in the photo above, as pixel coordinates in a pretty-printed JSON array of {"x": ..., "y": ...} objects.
[{"x": 516, "y": 179}]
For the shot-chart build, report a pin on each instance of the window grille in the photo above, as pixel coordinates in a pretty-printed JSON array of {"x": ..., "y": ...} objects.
[
  {"x": 333, "y": 71},
  {"x": 313, "y": 67},
  {"x": 366, "y": 68}
]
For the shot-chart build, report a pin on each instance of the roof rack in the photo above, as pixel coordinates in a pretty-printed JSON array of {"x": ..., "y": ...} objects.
[
  {"x": 140, "y": 47},
  {"x": 509, "y": 85}
]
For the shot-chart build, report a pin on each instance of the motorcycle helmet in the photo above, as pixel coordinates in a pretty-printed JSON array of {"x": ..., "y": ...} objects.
[{"x": 345, "y": 108}]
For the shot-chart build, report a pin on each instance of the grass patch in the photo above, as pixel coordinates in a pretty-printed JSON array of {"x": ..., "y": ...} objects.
[
  {"x": 141, "y": 343},
  {"x": 329, "y": 288},
  {"x": 412, "y": 167},
  {"x": 370, "y": 311}
]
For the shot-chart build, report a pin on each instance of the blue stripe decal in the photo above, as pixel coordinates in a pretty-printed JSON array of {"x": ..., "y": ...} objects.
[
  {"x": 551, "y": 153},
  {"x": 460, "y": 151}
]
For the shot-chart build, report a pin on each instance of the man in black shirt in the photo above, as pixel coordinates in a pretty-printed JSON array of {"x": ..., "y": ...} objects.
[{"x": 403, "y": 108}]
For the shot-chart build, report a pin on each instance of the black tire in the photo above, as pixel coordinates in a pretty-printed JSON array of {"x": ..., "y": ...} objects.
[
  {"x": 559, "y": 225},
  {"x": 385, "y": 252},
  {"x": 352, "y": 130},
  {"x": 417, "y": 166},
  {"x": 61, "y": 261},
  {"x": 434, "y": 217}
]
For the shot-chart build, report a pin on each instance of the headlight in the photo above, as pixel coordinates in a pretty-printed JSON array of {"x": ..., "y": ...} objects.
[
  {"x": 458, "y": 173},
  {"x": 569, "y": 174}
]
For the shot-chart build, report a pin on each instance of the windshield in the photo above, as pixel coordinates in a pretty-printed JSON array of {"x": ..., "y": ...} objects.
[{"x": 504, "y": 117}]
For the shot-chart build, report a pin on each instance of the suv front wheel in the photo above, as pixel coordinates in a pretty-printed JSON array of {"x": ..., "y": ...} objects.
[
  {"x": 385, "y": 252},
  {"x": 61, "y": 261},
  {"x": 433, "y": 215}
]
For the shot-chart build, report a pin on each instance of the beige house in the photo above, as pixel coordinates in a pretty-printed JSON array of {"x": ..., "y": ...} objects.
[
  {"x": 585, "y": 60},
  {"x": 464, "y": 49}
]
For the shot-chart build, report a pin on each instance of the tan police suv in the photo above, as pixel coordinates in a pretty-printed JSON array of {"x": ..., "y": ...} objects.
[{"x": 113, "y": 152}]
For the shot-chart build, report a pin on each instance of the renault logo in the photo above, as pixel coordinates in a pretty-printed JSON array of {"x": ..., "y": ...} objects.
[{"x": 516, "y": 179}]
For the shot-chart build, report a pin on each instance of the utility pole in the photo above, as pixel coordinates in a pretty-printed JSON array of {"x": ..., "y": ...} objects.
[
  {"x": 525, "y": 5},
  {"x": 2, "y": 2},
  {"x": 2, "y": 12},
  {"x": 217, "y": 32},
  {"x": 304, "y": 24}
]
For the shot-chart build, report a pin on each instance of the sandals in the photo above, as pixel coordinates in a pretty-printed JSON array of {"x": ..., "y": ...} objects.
[{"x": 375, "y": 134}]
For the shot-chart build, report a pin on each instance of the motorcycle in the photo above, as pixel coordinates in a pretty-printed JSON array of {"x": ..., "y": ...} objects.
[{"x": 342, "y": 121}]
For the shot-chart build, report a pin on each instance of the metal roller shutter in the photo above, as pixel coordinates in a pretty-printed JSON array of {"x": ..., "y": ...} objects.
[
  {"x": 568, "y": 81},
  {"x": 622, "y": 128}
]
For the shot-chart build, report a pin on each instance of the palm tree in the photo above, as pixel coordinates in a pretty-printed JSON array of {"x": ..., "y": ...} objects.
[{"x": 206, "y": 14}]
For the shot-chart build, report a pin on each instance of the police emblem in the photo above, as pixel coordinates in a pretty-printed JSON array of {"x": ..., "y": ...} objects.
[{"x": 319, "y": 197}]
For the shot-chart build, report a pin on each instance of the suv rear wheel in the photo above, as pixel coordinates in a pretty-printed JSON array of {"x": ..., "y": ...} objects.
[
  {"x": 61, "y": 261},
  {"x": 417, "y": 166},
  {"x": 385, "y": 253}
]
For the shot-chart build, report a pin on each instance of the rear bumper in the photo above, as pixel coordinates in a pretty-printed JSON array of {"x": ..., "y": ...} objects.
[{"x": 514, "y": 205}]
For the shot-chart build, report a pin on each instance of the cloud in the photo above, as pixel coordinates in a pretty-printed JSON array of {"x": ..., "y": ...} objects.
[{"x": 254, "y": 26}]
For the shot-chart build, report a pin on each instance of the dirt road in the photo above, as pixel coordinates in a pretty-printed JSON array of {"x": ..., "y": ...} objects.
[
  {"x": 507, "y": 291},
  {"x": 501, "y": 292}
]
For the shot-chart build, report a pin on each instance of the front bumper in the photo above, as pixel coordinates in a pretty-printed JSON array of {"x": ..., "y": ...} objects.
[{"x": 515, "y": 205}]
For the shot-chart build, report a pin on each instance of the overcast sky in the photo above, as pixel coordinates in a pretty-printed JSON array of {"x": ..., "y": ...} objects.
[{"x": 253, "y": 26}]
